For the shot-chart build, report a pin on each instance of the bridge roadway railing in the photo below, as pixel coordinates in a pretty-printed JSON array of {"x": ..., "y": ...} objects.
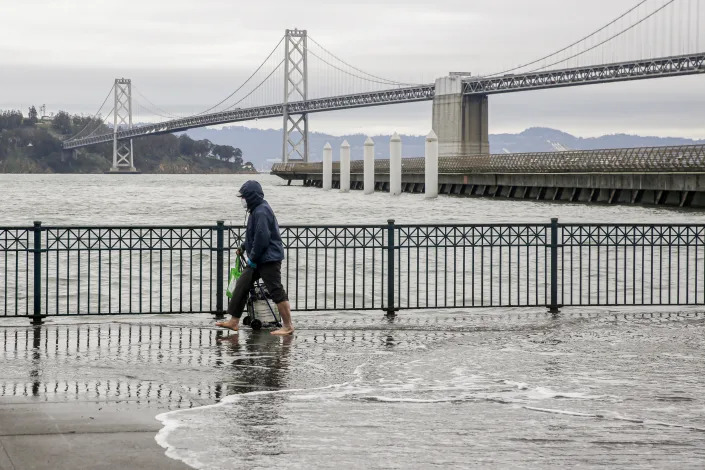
[
  {"x": 74, "y": 270},
  {"x": 605, "y": 73},
  {"x": 358, "y": 100},
  {"x": 631, "y": 70},
  {"x": 681, "y": 158}
]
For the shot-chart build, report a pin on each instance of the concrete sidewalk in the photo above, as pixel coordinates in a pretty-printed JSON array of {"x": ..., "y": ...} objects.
[{"x": 79, "y": 435}]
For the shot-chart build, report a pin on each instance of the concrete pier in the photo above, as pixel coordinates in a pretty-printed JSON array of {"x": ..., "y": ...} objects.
[
  {"x": 327, "y": 179},
  {"x": 670, "y": 189},
  {"x": 431, "y": 168},
  {"x": 369, "y": 166},
  {"x": 395, "y": 178},
  {"x": 670, "y": 176},
  {"x": 345, "y": 167}
]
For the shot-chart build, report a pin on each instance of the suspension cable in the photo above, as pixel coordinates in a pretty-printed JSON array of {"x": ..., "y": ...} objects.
[
  {"x": 155, "y": 112},
  {"x": 151, "y": 111},
  {"x": 94, "y": 116},
  {"x": 245, "y": 82},
  {"x": 388, "y": 82},
  {"x": 257, "y": 87},
  {"x": 163, "y": 112},
  {"x": 100, "y": 123},
  {"x": 606, "y": 40},
  {"x": 353, "y": 67},
  {"x": 197, "y": 114},
  {"x": 570, "y": 45}
]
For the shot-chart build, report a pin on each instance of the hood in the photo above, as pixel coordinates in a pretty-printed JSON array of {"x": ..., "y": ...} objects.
[{"x": 253, "y": 194}]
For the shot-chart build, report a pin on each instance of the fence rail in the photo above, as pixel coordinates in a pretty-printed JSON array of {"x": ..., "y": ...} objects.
[{"x": 47, "y": 271}]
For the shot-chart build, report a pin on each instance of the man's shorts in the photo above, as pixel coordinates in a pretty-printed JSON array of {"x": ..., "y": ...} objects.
[{"x": 271, "y": 274}]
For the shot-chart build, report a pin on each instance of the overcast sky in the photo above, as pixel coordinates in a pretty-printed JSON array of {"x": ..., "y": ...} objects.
[{"x": 190, "y": 54}]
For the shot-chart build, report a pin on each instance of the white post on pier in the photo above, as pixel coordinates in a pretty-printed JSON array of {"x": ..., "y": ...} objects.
[
  {"x": 431, "y": 165},
  {"x": 395, "y": 165},
  {"x": 344, "y": 167},
  {"x": 369, "y": 168},
  {"x": 327, "y": 167}
]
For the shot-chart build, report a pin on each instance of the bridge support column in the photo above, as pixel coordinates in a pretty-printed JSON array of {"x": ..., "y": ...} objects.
[
  {"x": 295, "y": 130},
  {"x": 123, "y": 154},
  {"x": 459, "y": 121}
]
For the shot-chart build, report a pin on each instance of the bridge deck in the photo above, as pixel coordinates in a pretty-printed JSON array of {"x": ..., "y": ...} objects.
[{"x": 622, "y": 71}]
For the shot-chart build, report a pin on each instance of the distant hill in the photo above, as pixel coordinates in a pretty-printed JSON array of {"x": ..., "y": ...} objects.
[
  {"x": 258, "y": 146},
  {"x": 543, "y": 139}
]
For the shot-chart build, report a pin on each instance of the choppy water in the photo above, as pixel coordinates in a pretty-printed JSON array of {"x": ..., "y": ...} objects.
[
  {"x": 203, "y": 199},
  {"x": 495, "y": 388}
]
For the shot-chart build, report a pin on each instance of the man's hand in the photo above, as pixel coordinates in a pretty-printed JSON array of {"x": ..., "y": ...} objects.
[{"x": 251, "y": 264}]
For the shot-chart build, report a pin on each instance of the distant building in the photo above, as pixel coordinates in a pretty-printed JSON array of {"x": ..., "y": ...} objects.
[{"x": 43, "y": 113}]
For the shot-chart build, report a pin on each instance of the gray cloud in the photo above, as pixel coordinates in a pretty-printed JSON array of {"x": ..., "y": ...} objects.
[{"x": 187, "y": 55}]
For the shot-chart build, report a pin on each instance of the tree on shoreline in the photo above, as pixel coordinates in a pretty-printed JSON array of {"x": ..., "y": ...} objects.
[
  {"x": 32, "y": 116},
  {"x": 11, "y": 120},
  {"x": 62, "y": 123},
  {"x": 30, "y": 143}
]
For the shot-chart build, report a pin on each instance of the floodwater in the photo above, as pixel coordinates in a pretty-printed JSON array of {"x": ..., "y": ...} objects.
[
  {"x": 466, "y": 389},
  {"x": 489, "y": 388}
]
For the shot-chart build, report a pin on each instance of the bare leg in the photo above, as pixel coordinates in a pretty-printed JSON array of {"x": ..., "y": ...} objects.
[
  {"x": 231, "y": 324},
  {"x": 236, "y": 305},
  {"x": 285, "y": 312}
]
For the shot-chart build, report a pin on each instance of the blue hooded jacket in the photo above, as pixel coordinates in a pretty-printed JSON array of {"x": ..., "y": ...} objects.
[{"x": 263, "y": 242}]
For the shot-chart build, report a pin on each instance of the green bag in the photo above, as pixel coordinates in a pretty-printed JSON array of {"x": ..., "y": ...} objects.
[{"x": 233, "y": 276}]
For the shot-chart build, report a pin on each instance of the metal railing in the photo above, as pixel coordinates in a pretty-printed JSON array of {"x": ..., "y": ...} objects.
[
  {"x": 47, "y": 271},
  {"x": 677, "y": 158}
]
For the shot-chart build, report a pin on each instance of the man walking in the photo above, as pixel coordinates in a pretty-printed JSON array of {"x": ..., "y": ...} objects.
[{"x": 265, "y": 251}]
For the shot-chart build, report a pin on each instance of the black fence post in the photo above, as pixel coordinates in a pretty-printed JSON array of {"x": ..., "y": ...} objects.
[
  {"x": 37, "y": 253},
  {"x": 220, "y": 229},
  {"x": 390, "y": 268},
  {"x": 553, "y": 307}
]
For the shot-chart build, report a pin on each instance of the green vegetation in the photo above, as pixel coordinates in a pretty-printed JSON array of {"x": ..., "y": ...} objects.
[{"x": 31, "y": 145}]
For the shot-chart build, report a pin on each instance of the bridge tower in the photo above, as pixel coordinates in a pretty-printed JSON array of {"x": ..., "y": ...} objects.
[
  {"x": 459, "y": 121},
  {"x": 295, "y": 130},
  {"x": 123, "y": 160}
]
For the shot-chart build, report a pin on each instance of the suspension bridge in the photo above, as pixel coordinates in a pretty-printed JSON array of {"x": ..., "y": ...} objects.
[{"x": 653, "y": 39}]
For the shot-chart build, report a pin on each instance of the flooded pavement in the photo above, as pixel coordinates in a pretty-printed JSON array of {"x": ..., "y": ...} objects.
[{"x": 483, "y": 388}]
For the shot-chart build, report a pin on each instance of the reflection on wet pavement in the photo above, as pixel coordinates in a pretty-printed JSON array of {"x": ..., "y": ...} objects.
[
  {"x": 176, "y": 362},
  {"x": 155, "y": 364},
  {"x": 529, "y": 388}
]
